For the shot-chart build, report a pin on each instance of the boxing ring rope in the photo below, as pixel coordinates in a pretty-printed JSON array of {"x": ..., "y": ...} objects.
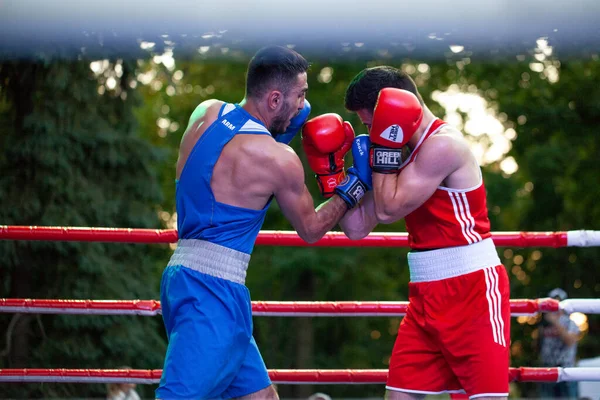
[
  {"x": 527, "y": 307},
  {"x": 518, "y": 307},
  {"x": 281, "y": 376},
  {"x": 578, "y": 238}
]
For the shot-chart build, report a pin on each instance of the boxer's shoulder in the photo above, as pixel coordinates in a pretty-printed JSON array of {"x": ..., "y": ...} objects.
[
  {"x": 205, "y": 113},
  {"x": 263, "y": 150}
]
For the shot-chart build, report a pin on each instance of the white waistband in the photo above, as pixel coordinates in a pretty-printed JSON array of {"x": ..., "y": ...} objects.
[
  {"x": 439, "y": 264},
  {"x": 211, "y": 259}
]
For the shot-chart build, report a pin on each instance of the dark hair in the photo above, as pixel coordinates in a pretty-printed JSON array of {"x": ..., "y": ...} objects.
[
  {"x": 362, "y": 92},
  {"x": 273, "y": 67}
]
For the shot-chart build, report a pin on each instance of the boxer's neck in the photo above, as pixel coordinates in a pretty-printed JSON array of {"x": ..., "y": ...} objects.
[{"x": 428, "y": 117}]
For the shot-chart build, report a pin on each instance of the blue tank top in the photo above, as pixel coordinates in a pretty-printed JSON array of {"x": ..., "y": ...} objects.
[{"x": 199, "y": 215}]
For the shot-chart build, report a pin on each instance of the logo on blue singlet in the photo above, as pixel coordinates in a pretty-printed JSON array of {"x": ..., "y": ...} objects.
[{"x": 228, "y": 124}]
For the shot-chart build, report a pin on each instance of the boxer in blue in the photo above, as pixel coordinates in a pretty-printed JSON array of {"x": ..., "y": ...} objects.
[{"x": 228, "y": 171}]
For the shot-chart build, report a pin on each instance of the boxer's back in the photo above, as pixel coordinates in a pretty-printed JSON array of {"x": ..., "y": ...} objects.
[{"x": 223, "y": 185}]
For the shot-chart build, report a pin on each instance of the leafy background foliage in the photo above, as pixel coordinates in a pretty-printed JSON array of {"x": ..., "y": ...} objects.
[{"x": 85, "y": 146}]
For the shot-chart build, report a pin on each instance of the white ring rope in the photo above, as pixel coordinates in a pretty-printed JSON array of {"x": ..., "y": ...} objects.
[{"x": 583, "y": 238}]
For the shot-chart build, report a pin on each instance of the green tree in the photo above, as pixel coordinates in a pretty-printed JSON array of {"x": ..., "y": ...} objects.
[
  {"x": 554, "y": 109},
  {"x": 71, "y": 156}
]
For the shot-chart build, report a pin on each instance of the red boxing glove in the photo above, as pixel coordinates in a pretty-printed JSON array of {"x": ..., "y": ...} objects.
[
  {"x": 397, "y": 116},
  {"x": 326, "y": 139}
]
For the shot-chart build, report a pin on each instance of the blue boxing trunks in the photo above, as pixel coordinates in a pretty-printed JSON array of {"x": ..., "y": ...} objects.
[{"x": 208, "y": 317}]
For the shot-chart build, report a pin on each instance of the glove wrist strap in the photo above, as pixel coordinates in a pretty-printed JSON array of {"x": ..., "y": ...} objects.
[
  {"x": 351, "y": 190},
  {"x": 328, "y": 182},
  {"x": 385, "y": 160}
]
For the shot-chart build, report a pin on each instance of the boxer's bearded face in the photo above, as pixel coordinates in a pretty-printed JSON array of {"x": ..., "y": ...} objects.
[
  {"x": 282, "y": 119},
  {"x": 292, "y": 104}
]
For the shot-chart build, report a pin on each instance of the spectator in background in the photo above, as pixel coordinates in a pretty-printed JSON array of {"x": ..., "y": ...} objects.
[
  {"x": 121, "y": 391},
  {"x": 319, "y": 396},
  {"x": 559, "y": 336}
]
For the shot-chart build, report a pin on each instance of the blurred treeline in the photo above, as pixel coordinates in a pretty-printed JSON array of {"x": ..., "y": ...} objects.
[{"x": 93, "y": 142}]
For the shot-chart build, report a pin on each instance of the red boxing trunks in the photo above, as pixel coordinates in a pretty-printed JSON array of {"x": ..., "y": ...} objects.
[{"x": 455, "y": 336}]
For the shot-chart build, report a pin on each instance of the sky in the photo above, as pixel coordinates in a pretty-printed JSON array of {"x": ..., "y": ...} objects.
[{"x": 485, "y": 28}]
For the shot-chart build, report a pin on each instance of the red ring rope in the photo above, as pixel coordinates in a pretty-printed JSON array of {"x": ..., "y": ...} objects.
[
  {"x": 282, "y": 238},
  {"x": 367, "y": 376},
  {"x": 259, "y": 308}
]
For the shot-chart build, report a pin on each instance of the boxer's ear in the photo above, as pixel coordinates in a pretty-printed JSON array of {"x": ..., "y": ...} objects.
[{"x": 274, "y": 99}]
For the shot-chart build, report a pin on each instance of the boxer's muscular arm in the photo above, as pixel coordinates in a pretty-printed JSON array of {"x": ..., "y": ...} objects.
[
  {"x": 398, "y": 195},
  {"x": 361, "y": 220},
  {"x": 296, "y": 202}
]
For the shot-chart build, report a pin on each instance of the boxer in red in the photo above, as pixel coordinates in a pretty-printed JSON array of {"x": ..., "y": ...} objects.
[{"x": 456, "y": 334}]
